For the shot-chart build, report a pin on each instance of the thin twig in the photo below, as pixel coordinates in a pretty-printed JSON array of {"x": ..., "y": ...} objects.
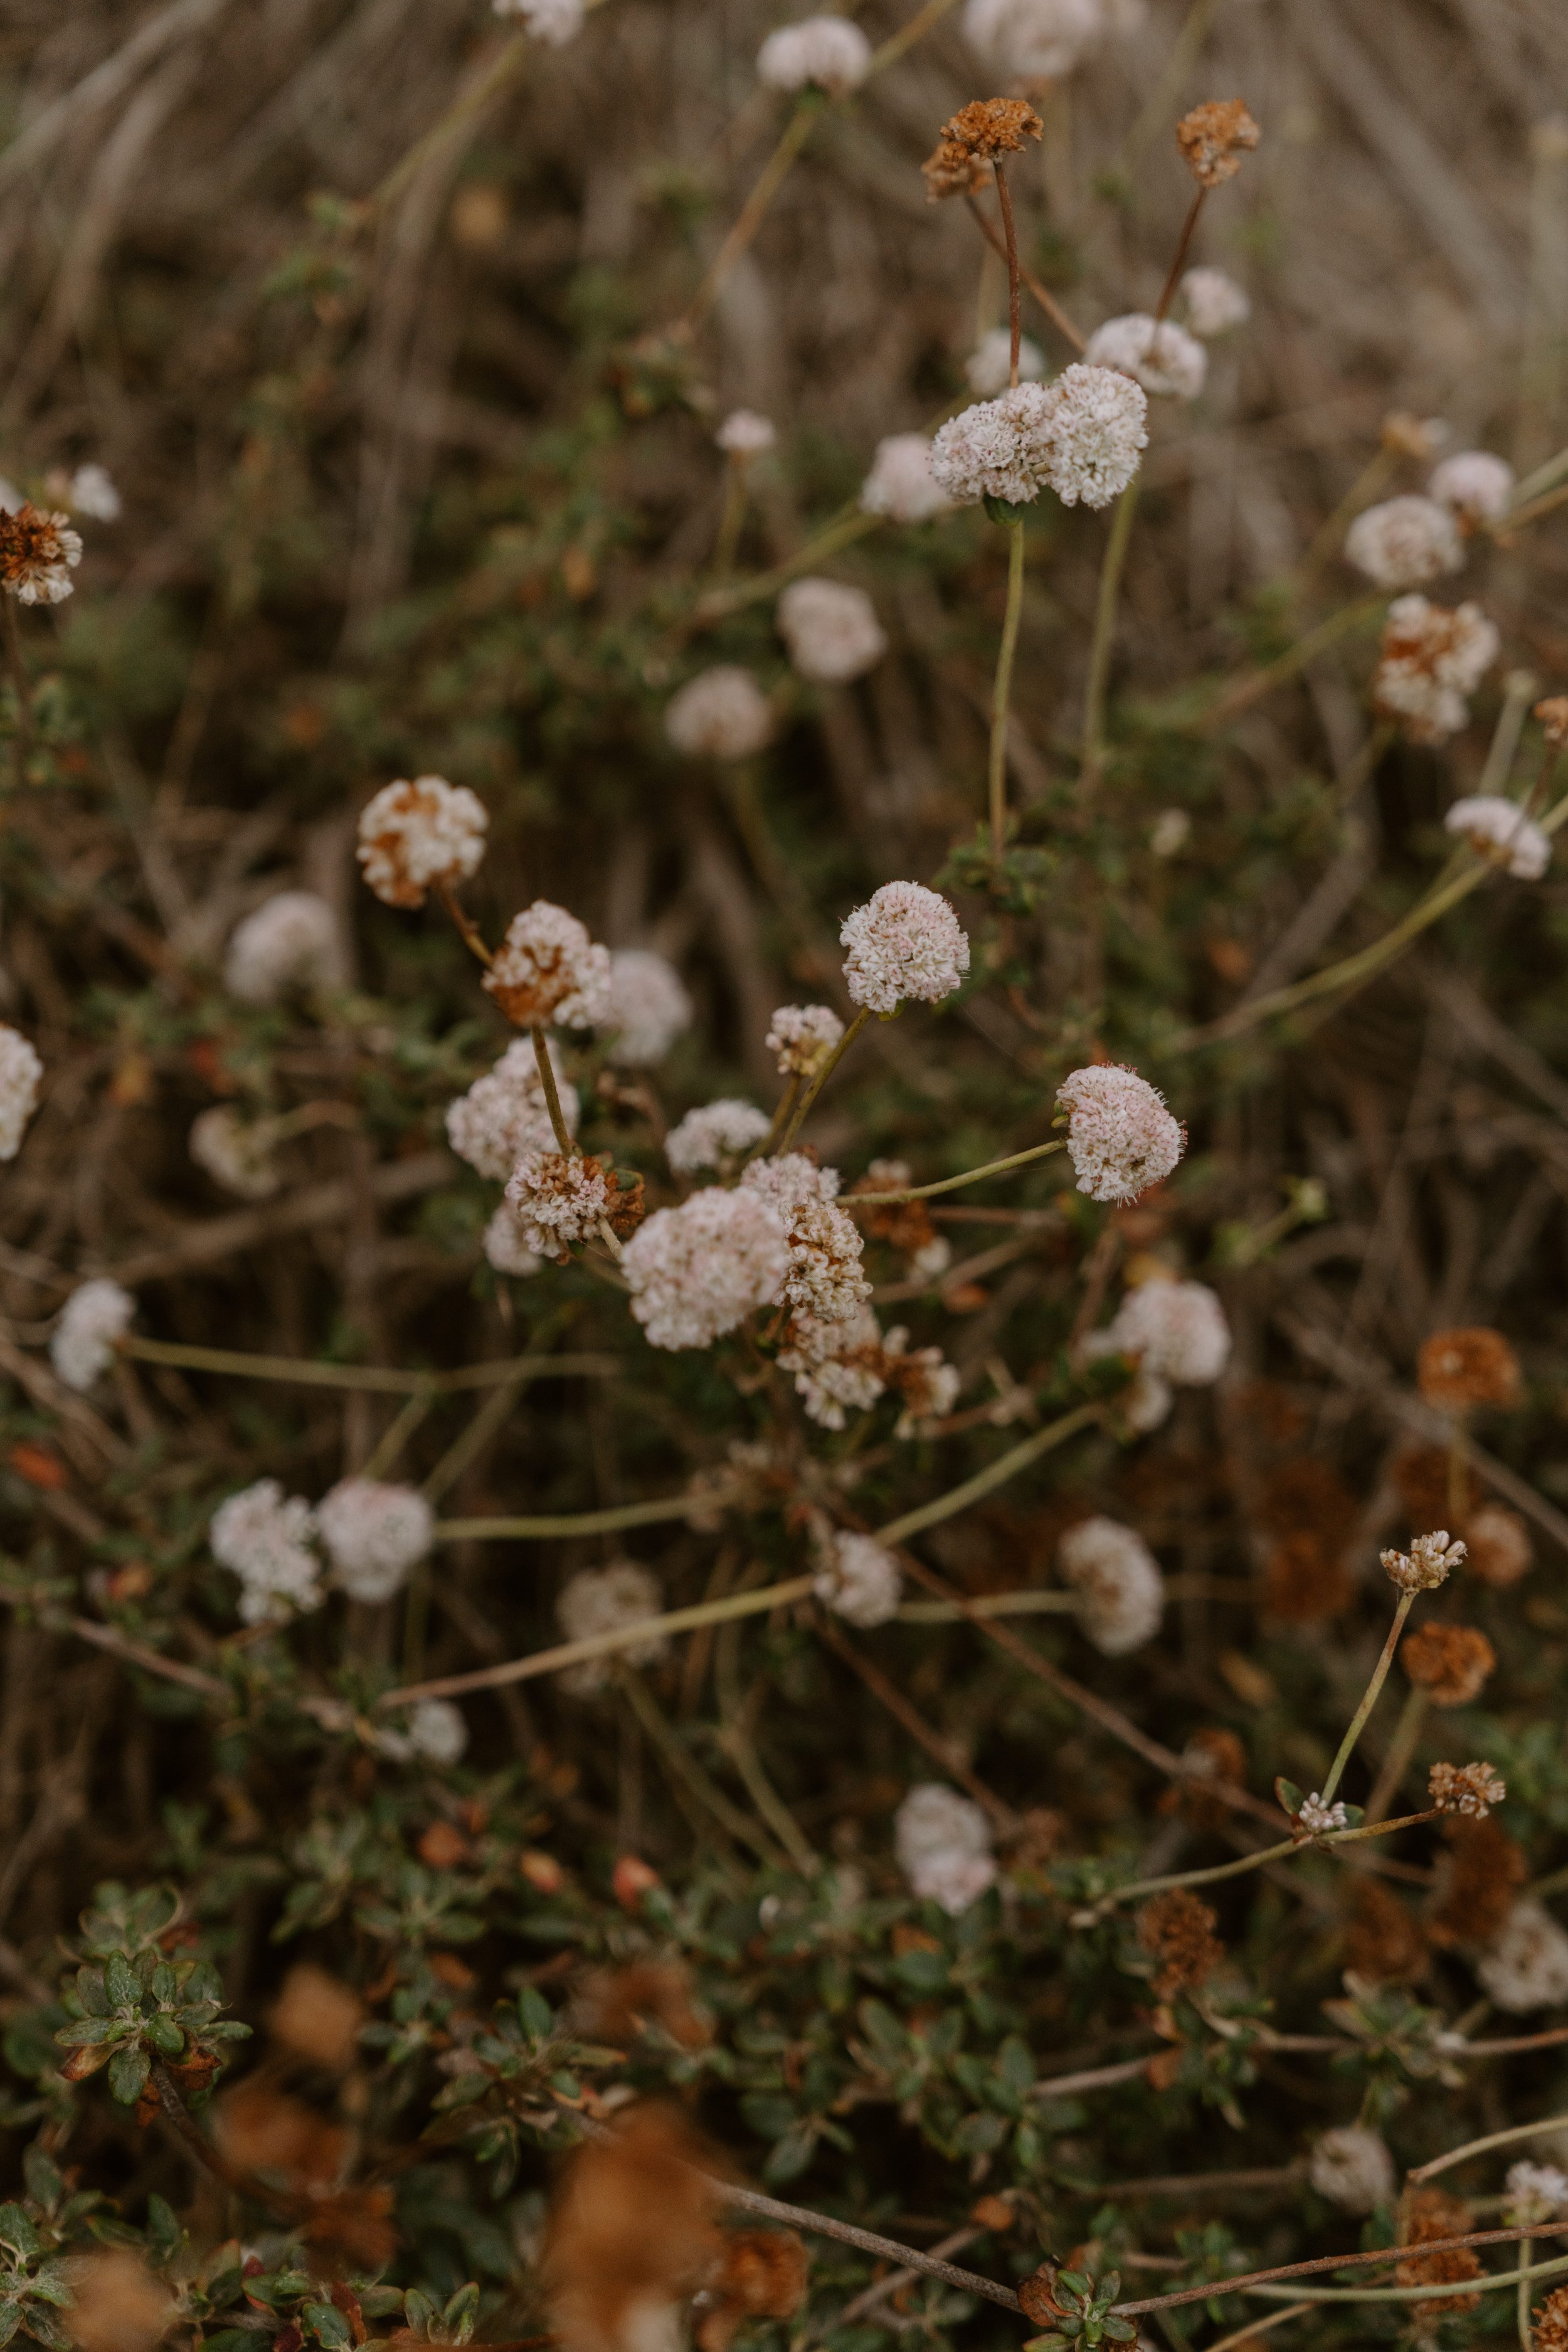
[{"x": 1320, "y": 2263}]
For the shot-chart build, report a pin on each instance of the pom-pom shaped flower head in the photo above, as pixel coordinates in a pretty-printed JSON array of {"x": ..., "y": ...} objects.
[
  {"x": 826, "y": 1246},
  {"x": 375, "y": 1533},
  {"x": 21, "y": 1073},
  {"x": 744, "y": 434},
  {"x": 1352, "y": 2168},
  {"x": 433, "y": 1731},
  {"x": 1500, "y": 831},
  {"x": 1214, "y": 303},
  {"x": 557, "y": 1201},
  {"x": 1536, "y": 2192},
  {"x": 990, "y": 364},
  {"x": 1471, "y": 1790},
  {"x": 609, "y": 1601},
  {"x": 904, "y": 942},
  {"x": 649, "y": 1007},
  {"x": 1429, "y": 660},
  {"x": 943, "y": 1844},
  {"x": 1405, "y": 543},
  {"x": 976, "y": 138},
  {"x": 1175, "y": 1331},
  {"x": 555, "y": 22},
  {"x": 504, "y": 1246},
  {"x": 1213, "y": 138},
  {"x": 419, "y": 836},
  {"x": 719, "y": 714},
  {"x": 825, "y": 53},
  {"x": 715, "y": 1133},
  {"x": 801, "y": 1037},
  {"x": 91, "y": 492},
  {"x": 289, "y": 942},
  {"x": 1121, "y": 1136},
  {"x": 262, "y": 1536},
  {"x": 1526, "y": 1966},
  {"x": 505, "y": 1114},
  {"x": 1117, "y": 1579},
  {"x": 900, "y": 484},
  {"x": 1425, "y": 1565},
  {"x": 234, "y": 1155},
  {"x": 1162, "y": 357},
  {"x": 38, "y": 552},
  {"x": 94, "y": 1318},
  {"x": 1316, "y": 1818},
  {"x": 699, "y": 1270},
  {"x": 831, "y": 630},
  {"x": 860, "y": 1580},
  {"x": 1473, "y": 485},
  {"x": 548, "y": 970},
  {"x": 1080, "y": 437},
  {"x": 1033, "y": 40},
  {"x": 1467, "y": 1365}
]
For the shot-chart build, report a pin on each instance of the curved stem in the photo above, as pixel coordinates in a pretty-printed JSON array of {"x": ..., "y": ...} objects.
[
  {"x": 752, "y": 214},
  {"x": 1007, "y": 1466},
  {"x": 852, "y": 524},
  {"x": 564, "y": 1142},
  {"x": 1047, "y": 301},
  {"x": 1401, "y": 1749},
  {"x": 1002, "y": 689},
  {"x": 764, "y": 1148},
  {"x": 467, "y": 932},
  {"x": 820, "y": 1080},
  {"x": 1264, "y": 1855},
  {"x": 1251, "y": 689},
  {"x": 1484, "y": 2284},
  {"x": 1521, "y": 2307},
  {"x": 383, "y": 1380},
  {"x": 1168, "y": 291},
  {"x": 1369, "y": 1696},
  {"x": 952, "y": 1183},
  {"x": 1093, "y": 754},
  {"x": 1262, "y": 2281},
  {"x": 1493, "y": 2139}
]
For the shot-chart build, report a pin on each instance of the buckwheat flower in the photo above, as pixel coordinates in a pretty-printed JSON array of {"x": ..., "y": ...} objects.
[
  {"x": 904, "y": 942},
  {"x": 1121, "y": 1593},
  {"x": 82, "y": 1346},
  {"x": 1425, "y": 1565},
  {"x": 412, "y": 836},
  {"x": 555, "y": 22},
  {"x": 1121, "y": 1136},
  {"x": 1175, "y": 1329},
  {"x": 1527, "y": 1965},
  {"x": 699, "y": 1270},
  {"x": 859, "y": 1580},
  {"x": 1500, "y": 830},
  {"x": 1316, "y": 1818},
  {"x": 1095, "y": 429},
  {"x": 1405, "y": 543},
  {"x": 825, "y": 1246},
  {"x": 944, "y": 1845},
  {"x": 1550, "y": 2332},
  {"x": 1499, "y": 1545},
  {"x": 504, "y": 1114},
  {"x": 744, "y": 434},
  {"x": 1471, "y": 1789},
  {"x": 504, "y": 1246},
  {"x": 548, "y": 970},
  {"x": 801, "y": 1037},
  {"x": 989, "y": 366},
  {"x": 1535, "y": 2193},
  {"x": 826, "y": 53},
  {"x": 1430, "y": 658},
  {"x": 1474, "y": 485},
  {"x": 1449, "y": 1663},
  {"x": 900, "y": 484},
  {"x": 291, "y": 940},
  {"x": 375, "y": 1532},
  {"x": 1164, "y": 358},
  {"x": 832, "y": 631},
  {"x": 1215, "y": 302},
  {"x": 261, "y": 1536},
  {"x": 1352, "y": 2168},
  {"x": 999, "y": 448},
  {"x": 609, "y": 1601},
  {"x": 436, "y": 1730},
  {"x": 1145, "y": 1403},
  {"x": 925, "y": 1382},
  {"x": 38, "y": 552},
  {"x": 234, "y": 1155},
  {"x": 718, "y": 1132},
  {"x": 1033, "y": 40},
  {"x": 719, "y": 714},
  {"x": 556, "y": 1200},
  {"x": 21, "y": 1073},
  {"x": 1213, "y": 138},
  {"x": 649, "y": 1008},
  {"x": 1467, "y": 1364},
  {"x": 839, "y": 1368},
  {"x": 91, "y": 492}
]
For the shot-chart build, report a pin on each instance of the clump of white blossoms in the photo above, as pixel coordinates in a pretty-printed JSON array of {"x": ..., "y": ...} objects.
[
  {"x": 1526, "y": 1966},
  {"x": 234, "y": 1155},
  {"x": 1144, "y": 1404},
  {"x": 547, "y": 968},
  {"x": 82, "y": 1346},
  {"x": 433, "y": 1730},
  {"x": 832, "y": 631},
  {"x": 904, "y": 942},
  {"x": 1161, "y": 356},
  {"x": 699, "y": 1270},
  {"x": 1500, "y": 831},
  {"x": 607, "y": 1600},
  {"x": 1429, "y": 659},
  {"x": 262, "y": 1536},
  {"x": 826, "y": 53},
  {"x": 1175, "y": 1329},
  {"x": 719, "y": 714},
  {"x": 989, "y": 366},
  {"x": 801, "y": 1037},
  {"x": 1405, "y": 543},
  {"x": 291, "y": 940},
  {"x": 860, "y": 1580},
  {"x": 504, "y": 1246},
  {"x": 38, "y": 552},
  {"x": 21, "y": 1075},
  {"x": 375, "y": 1532},
  {"x": 744, "y": 434},
  {"x": 900, "y": 484},
  {"x": 1042, "y": 40},
  {"x": 1080, "y": 436},
  {"x": 1535, "y": 2193},
  {"x": 1215, "y": 302},
  {"x": 1121, "y": 1593},
  {"x": 556, "y": 1200},
  {"x": 943, "y": 1844},
  {"x": 1316, "y": 1818},
  {"x": 1352, "y": 2168},
  {"x": 555, "y": 22},
  {"x": 649, "y": 1008},
  {"x": 1121, "y": 1136},
  {"x": 504, "y": 1114},
  {"x": 1476, "y": 486},
  {"x": 91, "y": 492},
  {"x": 839, "y": 1367},
  {"x": 1426, "y": 1564},
  {"x": 825, "y": 1246},
  {"x": 415, "y": 836},
  {"x": 715, "y": 1133}
]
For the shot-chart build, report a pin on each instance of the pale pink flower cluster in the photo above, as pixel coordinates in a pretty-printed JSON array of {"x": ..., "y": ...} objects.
[
  {"x": 860, "y": 1580},
  {"x": 1161, "y": 356},
  {"x": 504, "y": 1246},
  {"x": 905, "y": 941},
  {"x": 548, "y": 970},
  {"x": 699, "y": 1270},
  {"x": 94, "y": 1318},
  {"x": 1080, "y": 437},
  {"x": 900, "y": 484},
  {"x": 556, "y": 1200},
  {"x": 1535, "y": 2193},
  {"x": 375, "y": 1533},
  {"x": 1426, "y": 1564},
  {"x": 504, "y": 1114},
  {"x": 289, "y": 942},
  {"x": 1500, "y": 830},
  {"x": 1474, "y": 485},
  {"x": 1215, "y": 302},
  {"x": 433, "y": 1729},
  {"x": 1527, "y": 1965},
  {"x": 832, "y": 631},
  {"x": 555, "y": 22},
  {"x": 825, "y": 1246},
  {"x": 1121, "y": 1593},
  {"x": 990, "y": 363},
  {"x": 943, "y": 1844},
  {"x": 719, "y": 714},
  {"x": 91, "y": 492},
  {"x": 262, "y": 1536},
  {"x": 1121, "y": 1136},
  {"x": 1316, "y": 1818},
  {"x": 1176, "y": 1330},
  {"x": 21, "y": 1075},
  {"x": 802, "y": 1036},
  {"x": 839, "y": 1367},
  {"x": 1431, "y": 657},
  {"x": 927, "y": 1383},
  {"x": 1043, "y": 41},
  {"x": 744, "y": 434},
  {"x": 825, "y": 53},
  {"x": 414, "y": 835},
  {"x": 609, "y": 1601},
  {"x": 40, "y": 573},
  {"x": 649, "y": 1007},
  {"x": 1352, "y": 2168},
  {"x": 717, "y": 1132},
  {"x": 234, "y": 1155},
  {"x": 1405, "y": 543}
]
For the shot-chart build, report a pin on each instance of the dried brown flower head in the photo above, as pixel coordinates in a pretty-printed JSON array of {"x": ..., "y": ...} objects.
[
  {"x": 1553, "y": 715},
  {"x": 1449, "y": 1663},
  {"x": 1305, "y": 1581},
  {"x": 1421, "y": 1475},
  {"x": 1425, "y": 1565},
  {"x": 1550, "y": 2332},
  {"x": 38, "y": 552},
  {"x": 761, "y": 2274},
  {"x": 1427, "y": 2214},
  {"x": 991, "y": 127},
  {"x": 1472, "y": 1366},
  {"x": 1468, "y": 1789},
  {"x": 1479, "y": 1877},
  {"x": 1498, "y": 1543},
  {"x": 1213, "y": 139},
  {"x": 1384, "y": 1940},
  {"x": 1177, "y": 1929},
  {"x": 117, "y": 2305},
  {"x": 617, "y": 2004},
  {"x": 950, "y": 170},
  {"x": 631, "y": 2233},
  {"x": 317, "y": 2016},
  {"x": 1213, "y": 1758}
]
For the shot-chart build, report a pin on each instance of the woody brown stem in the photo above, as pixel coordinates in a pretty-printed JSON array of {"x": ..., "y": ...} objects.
[
  {"x": 1168, "y": 291},
  {"x": 1047, "y": 302},
  {"x": 465, "y": 930},
  {"x": 182, "y": 2120},
  {"x": 1009, "y": 230},
  {"x": 564, "y": 1142}
]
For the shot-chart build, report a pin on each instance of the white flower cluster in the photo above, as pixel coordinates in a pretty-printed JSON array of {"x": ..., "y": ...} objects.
[
  {"x": 38, "y": 552},
  {"x": 234, "y": 1155},
  {"x": 414, "y": 835},
  {"x": 556, "y": 1200},
  {"x": 91, "y": 492},
  {"x": 1430, "y": 658},
  {"x": 289, "y": 942},
  {"x": 433, "y": 1729},
  {"x": 801, "y": 1037},
  {"x": 900, "y": 484},
  {"x": 1043, "y": 41},
  {"x": 1352, "y": 2168},
  {"x": 838, "y": 1366},
  {"x": 860, "y": 1580},
  {"x": 825, "y": 1246},
  {"x": 718, "y": 1131},
  {"x": 699, "y": 1270},
  {"x": 1144, "y": 1404},
  {"x": 744, "y": 434},
  {"x": 1121, "y": 1136},
  {"x": 555, "y": 22},
  {"x": 1405, "y": 543},
  {"x": 831, "y": 630},
  {"x": 607, "y": 1600},
  {"x": 825, "y": 53},
  {"x": 504, "y": 1114},
  {"x": 375, "y": 1533},
  {"x": 1426, "y": 1564},
  {"x": 547, "y": 968},
  {"x": 504, "y": 1246},
  {"x": 1215, "y": 302},
  {"x": 719, "y": 714},
  {"x": 990, "y": 363},
  {"x": 1121, "y": 1593},
  {"x": 1536, "y": 2192},
  {"x": 1080, "y": 437},
  {"x": 904, "y": 942},
  {"x": 943, "y": 1844},
  {"x": 21, "y": 1073},
  {"x": 1526, "y": 1965},
  {"x": 262, "y": 1536},
  {"x": 1178, "y": 1332},
  {"x": 1473, "y": 485},
  {"x": 1164, "y": 358},
  {"x": 1316, "y": 1818},
  {"x": 649, "y": 1008},
  {"x": 1500, "y": 830},
  {"x": 82, "y": 1346}
]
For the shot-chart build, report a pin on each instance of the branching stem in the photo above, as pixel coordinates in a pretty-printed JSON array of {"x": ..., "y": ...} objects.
[
  {"x": 953, "y": 1183},
  {"x": 816, "y": 1084},
  {"x": 1001, "y": 692}
]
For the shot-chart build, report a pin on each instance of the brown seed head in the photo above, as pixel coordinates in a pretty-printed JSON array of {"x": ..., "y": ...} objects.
[
  {"x": 1468, "y": 1789},
  {"x": 1449, "y": 1663},
  {"x": 38, "y": 551},
  {"x": 1498, "y": 1542},
  {"x": 1550, "y": 2330},
  {"x": 1383, "y": 1941},
  {"x": 1553, "y": 715},
  {"x": 950, "y": 170},
  {"x": 1305, "y": 1581},
  {"x": 117, "y": 2305},
  {"x": 631, "y": 2233},
  {"x": 1213, "y": 139},
  {"x": 1467, "y": 1367},
  {"x": 1427, "y": 2214},
  {"x": 1177, "y": 1930},
  {"x": 1480, "y": 1876},
  {"x": 317, "y": 2016},
  {"x": 761, "y": 2274},
  {"x": 992, "y": 127}
]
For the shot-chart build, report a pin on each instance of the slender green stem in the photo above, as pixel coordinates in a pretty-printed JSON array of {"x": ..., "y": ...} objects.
[
  {"x": 736, "y": 474},
  {"x": 1485, "y": 2284},
  {"x": 20, "y": 686},
  {"x": 1493, "y": 2139},
  {"x": 1010, "y": 238},
  {"x": 752, "y": 213},
  {"x": 952, "y": 1183},
  {"x": 1111, "y": 568},
  {"x": 467, "y": 932},
  {"x": 468, "y": 102},
  {"x": 919, "y": 26},
  {"x": 1257, "y": 1861},
  {"x": 846, "y": 526},
  {"x": 1369, "y": 1696},
  {"x": 1007, "y": 1466},
  {"x": 1401, "y": 1749},
  {"x": 564, "y": 1142},
  {"x": 1522, "y": 2308},
  {"x": 379, "y": 1379},
  {"x": 816, "y": 1084},
  {"x": 1369, "y": 482},
  {"x": 781, "y": 1116},
  {"x": 1249, "y": 690},
  {"x": 570, "y": 1523},
  {"x": 396, "y": 1435},
  {"x": 1001, "y": 691},
  {"x": 1266, "y": 2282}
]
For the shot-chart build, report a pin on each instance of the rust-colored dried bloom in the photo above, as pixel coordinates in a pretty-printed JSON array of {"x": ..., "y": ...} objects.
[
  {"x": 1305, "y": 1581},
  {"x": 548, "y": 971},
  {"x": 992, "y": 127},
  {"x": 1449, "y": 1663},
  {"x": 1425, "y": 1565},
  {"x": 1177, "y": 1930},
  {"x": 38, "y": 552},
  {"x": 318, "y": 2017},
  {"x": 1468, "y": 1789},
  {"x": 1213, "y": 138},
  {"x": 1428, "y": 2214},
  {"x": 1478, "y": 1879},
  {"x": 1421, "y": 1475},
  {"x": 950, "y": 170},
  {"x": 631, "y": 2235},
  {"x": 1499, "y": 1544},
  {"x": 427, "y": 834},
  {"x": 761, "y": 2274},
  {"x": 117, "y": 2305},
  {"x": 1213, "y": 1758},
  {"x": 1550, "y": 2330},
  {"x": 1553, "y": 715},
  {"x": 1471, "y": 1366},
  {"x": 1383, "y": 1941}
]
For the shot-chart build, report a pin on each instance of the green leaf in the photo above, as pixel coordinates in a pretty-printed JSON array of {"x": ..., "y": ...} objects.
[
  {"x": 1290, "y": 1798},
  {"x": 120, "y": 1981},
  {"x": 165, "y": 2036},
  {"x": 327, "y": 2324},
  {"x": 164, "y": 2228},
  {"x": 91, "y": 1992},
  {"x": 18, "y": 2232},
  {"x": 128, "y": 2072},
  {"x": 1006, "y": 511},
  {"x": 534, "y": 2013},
  {"x": 461, "y": 2313}
]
